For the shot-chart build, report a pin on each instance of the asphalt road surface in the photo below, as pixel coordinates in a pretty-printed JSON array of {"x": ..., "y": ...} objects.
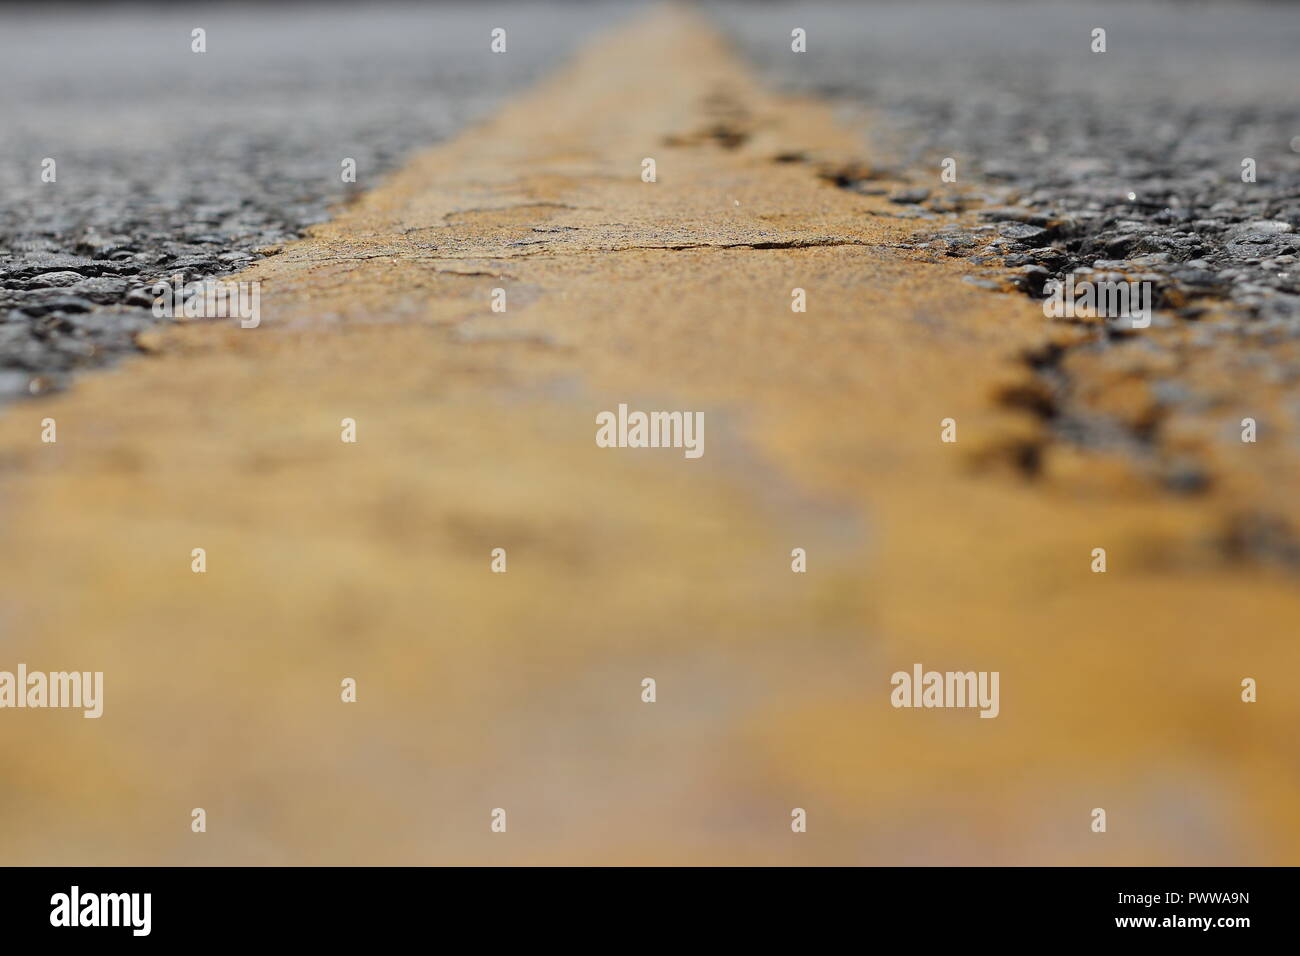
[
  {"x": 918, "y": 470},
  {"x": 172, "y": 162}
]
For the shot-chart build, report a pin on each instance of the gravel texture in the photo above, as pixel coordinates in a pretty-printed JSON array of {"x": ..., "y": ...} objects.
[
  {"x": 169, "y": 161},
  {"x": 1127, "y": 160},
  {"x": 1125, "y": 164}
]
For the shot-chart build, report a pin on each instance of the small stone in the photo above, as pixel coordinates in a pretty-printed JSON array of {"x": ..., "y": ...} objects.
[
  {"x": 1006, "y": 214},
  {"x": 1151, "y": 259},
  {"x": 1022, "y": 234},
  {"x": 67, "y": 303},
  {"x": 909, "y": 196},
  {"x": 1031, "y": 279},
  {"x": 1262, "y": 226},
  {"x": 48, "y": 280},
  {"x": 141, "y": 297}
]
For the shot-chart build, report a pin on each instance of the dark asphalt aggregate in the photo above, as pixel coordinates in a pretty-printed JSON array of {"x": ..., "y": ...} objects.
[{"x": 173, "y": 162}]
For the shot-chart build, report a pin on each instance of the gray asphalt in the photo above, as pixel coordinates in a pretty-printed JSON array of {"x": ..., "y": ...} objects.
[
  {"x": 1135, "y": 152},
  {"x": 169, "y": 161},
  {"x": 1117, "y": 165}
]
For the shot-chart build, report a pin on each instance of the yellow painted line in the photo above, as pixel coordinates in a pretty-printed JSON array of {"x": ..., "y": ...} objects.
[{"x": 476, "y": 430}]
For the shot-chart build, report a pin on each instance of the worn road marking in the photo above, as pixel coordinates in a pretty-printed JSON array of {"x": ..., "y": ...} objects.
[{"x": 476, "y": 431}]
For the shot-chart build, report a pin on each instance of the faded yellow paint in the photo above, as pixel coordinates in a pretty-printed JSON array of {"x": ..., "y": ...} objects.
[{"x": 477, "y": 690}]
